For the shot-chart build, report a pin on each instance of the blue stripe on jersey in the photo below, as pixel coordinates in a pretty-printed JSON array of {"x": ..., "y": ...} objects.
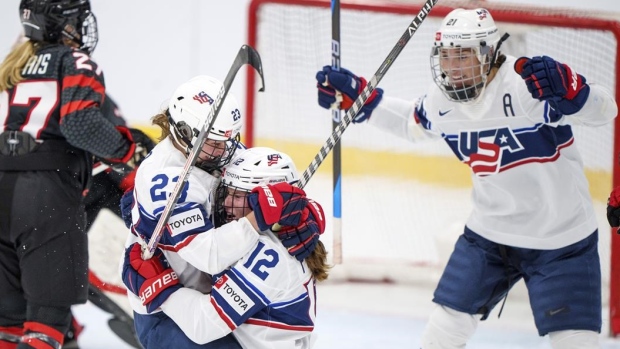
[
  {"x": 420, "y": 114},
  {"x": 292, "y": 315},
  {"x": 235, "y": 297},
  {"x": 301, "y": 297},
  {"x": 241, "y": 301},
  {"x": 249, "y": 285},
  {"x": 185, "y": 222},
  {"x": 550, "y": 114}
]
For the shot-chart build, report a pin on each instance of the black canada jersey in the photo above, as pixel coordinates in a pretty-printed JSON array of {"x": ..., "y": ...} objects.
[{"x": 59, "y": 97}]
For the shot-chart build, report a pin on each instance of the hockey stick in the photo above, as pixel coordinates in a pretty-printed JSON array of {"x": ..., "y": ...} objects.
[
  {"x": 336, "y": 165},
  {"x": 363, "y": 97},
  {"x": 246, "y": 55},
  {"x": 122, "y": 323}
]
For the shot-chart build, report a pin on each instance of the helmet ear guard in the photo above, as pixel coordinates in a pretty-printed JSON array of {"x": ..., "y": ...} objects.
[{"x": 181, "y": 130}]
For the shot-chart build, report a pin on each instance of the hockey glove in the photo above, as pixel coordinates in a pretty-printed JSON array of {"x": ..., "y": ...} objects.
[
  {"x": 126, "y": 206},
  {"x": 554, "y": 82},
  {"x": 123, "y": 171},
  {"x": 152, "y": 280},
  {"x": 139, "y": 147},
  {"x": 280, "y": 203},
  {"x": 613, "y": 208},
  {"x": 330, "y": 83},
  {"x": 144, "y": 145},
  {"x": 302, "y": 239}
]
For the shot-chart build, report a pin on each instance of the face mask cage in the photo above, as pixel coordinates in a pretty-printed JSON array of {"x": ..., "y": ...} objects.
[
  {"x": 460, "y": 73},
  {"x": 211, "y": 159},
  {"x": 214, "y": 158},
  {"x": 235, "y": 207},
  {"x": 90, "y": 34},
  {"x": 75, "y": 23}
]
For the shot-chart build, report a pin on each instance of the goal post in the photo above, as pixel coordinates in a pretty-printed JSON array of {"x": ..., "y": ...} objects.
[{"x": 405, "y": 203}]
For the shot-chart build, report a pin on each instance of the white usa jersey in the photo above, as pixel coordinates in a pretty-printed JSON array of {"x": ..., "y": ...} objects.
[
  {"x": 268, "y": 299},
  {"x": 191, "y": 244},
  {"x": 529, "y": 186}
]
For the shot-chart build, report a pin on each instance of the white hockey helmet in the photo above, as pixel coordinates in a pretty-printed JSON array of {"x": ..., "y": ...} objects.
[
  {"x": 250, "y": 168},
  {"x": 188, "y": 110},
  {"x": 465, "y": 31},
  {"x": 257, "y": 166}
]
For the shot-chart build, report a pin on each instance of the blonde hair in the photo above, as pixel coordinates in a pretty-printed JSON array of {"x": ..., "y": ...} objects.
[
  {"x": 11, "y": 67},
  {"x": 317, "y": 262},
  {"x": 162, "y": 121}
]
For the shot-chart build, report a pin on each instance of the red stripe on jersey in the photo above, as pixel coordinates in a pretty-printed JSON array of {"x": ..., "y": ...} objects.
[
  {"x": 278, "y": 325},
  {"x": 84, "y": 81},
  {"x": 223, "y": 315},
  {"x": 179, "y": 245},
  {"x": 415, "y": 116},
  {"x": 75, "y": 106}
]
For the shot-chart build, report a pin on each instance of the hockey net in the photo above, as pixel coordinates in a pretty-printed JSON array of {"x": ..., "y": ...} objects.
[{"x": 403, "y": 204}]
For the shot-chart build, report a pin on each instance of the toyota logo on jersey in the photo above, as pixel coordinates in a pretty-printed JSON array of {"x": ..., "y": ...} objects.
[{"x": 482, "y": 150}]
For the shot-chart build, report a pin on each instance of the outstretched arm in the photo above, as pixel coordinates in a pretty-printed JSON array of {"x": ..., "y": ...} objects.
[{"x": 566, "y": 91}]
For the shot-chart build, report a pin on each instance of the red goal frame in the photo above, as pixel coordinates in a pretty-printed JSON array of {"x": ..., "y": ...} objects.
[{"x": 507, "y": 13}]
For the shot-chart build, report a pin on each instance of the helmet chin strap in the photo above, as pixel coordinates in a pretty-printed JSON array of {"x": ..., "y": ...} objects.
[{"x": 496, "y": 53}]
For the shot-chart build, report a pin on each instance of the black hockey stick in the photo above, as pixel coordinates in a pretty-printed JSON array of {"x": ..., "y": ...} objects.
[
  {"x": 366, "y": 92},
  {"x": 122, "y": 323},
  {"x": 336, "y": 158},
  {"x": 246, "y": 55}
]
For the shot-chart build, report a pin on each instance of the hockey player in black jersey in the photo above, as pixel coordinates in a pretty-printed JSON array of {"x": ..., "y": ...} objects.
[
  {"x": 108, "y": 185},
  {"x": 51, "y": 125}
]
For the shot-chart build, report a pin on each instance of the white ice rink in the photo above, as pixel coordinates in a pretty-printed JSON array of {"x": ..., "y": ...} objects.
[{"x": 355, "y": 315}]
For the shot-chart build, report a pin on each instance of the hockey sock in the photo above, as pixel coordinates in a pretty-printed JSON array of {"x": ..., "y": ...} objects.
[
  {"x": 8, "y": 335},
  {"x": 40, "y": 336}
]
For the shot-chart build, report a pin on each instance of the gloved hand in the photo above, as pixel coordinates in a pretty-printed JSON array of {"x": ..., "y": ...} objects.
[
  {"x": 127, "y": 202},
  {"x": 554, "y": 82},
  {"x": 280, "y": 203},
  {"x": 144, "y": 145},
  {"x": 139, "y": 147},
  {"x": 302, "y": 239},
  {"x": 350, "y": 86},
  {"x": 123, "y": 171},
  {"x": 613, "y": 208},
  {"x": 152, "y": 280}
]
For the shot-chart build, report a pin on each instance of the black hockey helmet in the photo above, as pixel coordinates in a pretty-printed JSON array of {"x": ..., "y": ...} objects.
[{"x": 54, "y": 20}]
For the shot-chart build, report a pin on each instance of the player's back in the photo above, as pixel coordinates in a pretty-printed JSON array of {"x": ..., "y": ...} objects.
[{"x": 57, "y": 81}]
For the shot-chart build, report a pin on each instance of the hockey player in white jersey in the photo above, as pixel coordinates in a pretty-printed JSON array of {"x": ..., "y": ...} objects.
[
  {"x": 510, "y": 121},
  {"x": 268, "y": 298},
  {"x": 190, "y": 243}
]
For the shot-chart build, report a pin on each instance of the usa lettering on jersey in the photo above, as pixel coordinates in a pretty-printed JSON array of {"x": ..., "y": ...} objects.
[{"x": 482, "y": 150}]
